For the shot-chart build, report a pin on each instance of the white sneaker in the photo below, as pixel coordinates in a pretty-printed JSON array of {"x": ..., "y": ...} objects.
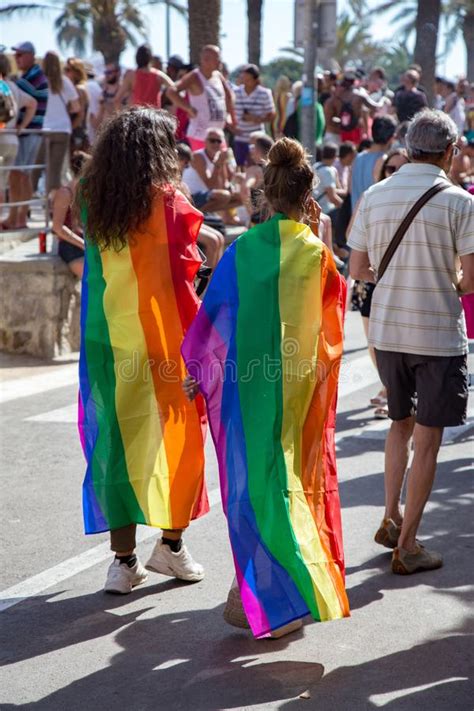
[
  {"x": 121, "y": 579},
  {"x": 180, "y": 565}
]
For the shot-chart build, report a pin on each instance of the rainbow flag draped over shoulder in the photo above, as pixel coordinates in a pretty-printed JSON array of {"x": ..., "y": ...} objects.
[
  {"x": 142, "y": 439},
  {"x": 265, "y": 348}
]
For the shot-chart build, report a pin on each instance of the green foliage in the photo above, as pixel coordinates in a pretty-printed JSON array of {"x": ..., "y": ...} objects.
[
  {"x": 79, "y": 21},
  {"x": 290, "y": 67}
]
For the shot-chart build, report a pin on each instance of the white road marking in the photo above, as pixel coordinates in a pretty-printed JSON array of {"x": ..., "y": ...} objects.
[
  {"x": 65, "y": 415},
  {"x": 77, "y": 564},
  {"x": 355, "y": 375},
  {"x": 60, "y": 377}
]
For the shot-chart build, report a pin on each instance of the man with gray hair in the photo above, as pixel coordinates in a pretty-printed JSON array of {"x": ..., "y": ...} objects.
[{"x": 417, "y": 323}]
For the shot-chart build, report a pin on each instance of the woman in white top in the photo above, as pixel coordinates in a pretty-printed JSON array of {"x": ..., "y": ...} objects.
[
  {"x": 9, "y": 141},
  {"x": 63, "y": 100}
]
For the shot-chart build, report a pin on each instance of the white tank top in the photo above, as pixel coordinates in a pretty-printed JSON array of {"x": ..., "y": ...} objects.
[
  {"x": 210, "y": 105},
  {"x": 192, "y": 178}
]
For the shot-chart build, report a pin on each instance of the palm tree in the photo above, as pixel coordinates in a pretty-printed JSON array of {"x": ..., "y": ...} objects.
[
  {"x": 427, "y": 27},
  {"x": 460, "y": 20},
  {"x": 254, "y": 16},
  {"x": 423, "y": 17},
  {"x": 354, "y": 42},
  {"x": 109, "y": 24},
  {"x": 204, "y": 25}
]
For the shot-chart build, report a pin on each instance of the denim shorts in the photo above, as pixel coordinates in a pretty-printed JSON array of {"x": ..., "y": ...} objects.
[
  {"x": 28, "y": 146},
  {"x": 200, "y": 199}
]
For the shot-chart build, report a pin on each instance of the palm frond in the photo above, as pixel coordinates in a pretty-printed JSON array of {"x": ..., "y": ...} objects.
[
  {"x": 20, "y": 8},
  {"x": 173, "y": 5}
]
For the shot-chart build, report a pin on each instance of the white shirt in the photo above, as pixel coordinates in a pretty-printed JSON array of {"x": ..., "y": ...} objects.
[
  {"x": 258, "y": 102},
  {"x": 193, "y": 180},
  {"x": 415, "y": 307},
  {"x": 56, "y": 117},
  {"x": 95, "y": 95}
]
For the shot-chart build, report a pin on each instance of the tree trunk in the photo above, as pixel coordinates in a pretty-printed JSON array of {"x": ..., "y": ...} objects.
[
  {"x": 108, "y": 37},
  {"x": 204, "y": 17},
  {"x": 254, "y": 16},
  {"x": 468, "y": 34},
  {"x": 427, "y": 25}
]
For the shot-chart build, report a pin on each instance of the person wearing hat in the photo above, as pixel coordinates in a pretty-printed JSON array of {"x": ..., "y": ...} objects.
[
  {"x": 34, "y": 83},
  {"x": 344, "y": 110},
  {"x": 254, "y": 107}
]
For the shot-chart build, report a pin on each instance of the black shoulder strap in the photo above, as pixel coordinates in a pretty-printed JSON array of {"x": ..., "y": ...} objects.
[{"x": 405, "y": 224}]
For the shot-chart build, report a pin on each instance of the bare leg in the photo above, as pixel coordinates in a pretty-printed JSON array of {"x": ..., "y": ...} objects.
[
  {"x": 26, "y": 194},
  {"x": 15, "y": 196},
  {"x": 213, "y": 243},
  {"x": 218, "y": 200},
  {"x": 77, "y": 267},
  {"x": 174, "y": 534},
  {"x": 397, "y": 452},
  {"x": 427, "y": 441}
]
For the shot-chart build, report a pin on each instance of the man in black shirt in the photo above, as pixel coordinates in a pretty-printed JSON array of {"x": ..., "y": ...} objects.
[{"x": 409, "y": 99}]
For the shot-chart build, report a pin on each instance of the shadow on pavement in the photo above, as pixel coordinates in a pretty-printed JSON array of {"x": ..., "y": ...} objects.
[
  {"x": 432, "y": 676},
  {"x": 182, "y": 661},
  {"x": 446, "y": 527}
]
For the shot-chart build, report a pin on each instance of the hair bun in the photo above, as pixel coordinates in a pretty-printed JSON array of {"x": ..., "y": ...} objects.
[{"x": 287, "y": 153}]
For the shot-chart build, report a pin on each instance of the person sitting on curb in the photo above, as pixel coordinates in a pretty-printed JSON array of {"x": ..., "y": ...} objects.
[{"x": 209, "y": 176}]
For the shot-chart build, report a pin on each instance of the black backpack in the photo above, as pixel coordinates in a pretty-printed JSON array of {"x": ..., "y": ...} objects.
[{"x": 349, "y": 120}]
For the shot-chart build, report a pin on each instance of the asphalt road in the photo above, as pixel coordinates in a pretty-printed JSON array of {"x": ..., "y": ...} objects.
[{"x": 66, "y": 645}]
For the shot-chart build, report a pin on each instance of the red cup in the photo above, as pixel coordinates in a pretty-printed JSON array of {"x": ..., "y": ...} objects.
[{"x": 42, "y": 242}]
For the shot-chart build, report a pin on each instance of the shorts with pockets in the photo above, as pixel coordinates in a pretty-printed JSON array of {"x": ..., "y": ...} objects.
[{"x": 434, "y": 388}]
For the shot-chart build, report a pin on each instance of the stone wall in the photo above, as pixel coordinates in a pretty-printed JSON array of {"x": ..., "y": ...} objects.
[{"x": 40, "y": 304}]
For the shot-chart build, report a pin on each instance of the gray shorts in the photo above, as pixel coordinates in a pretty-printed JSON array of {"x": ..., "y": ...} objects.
[
  {"x": 28, "y": 146},
  {"x": 434, "y": 388}
]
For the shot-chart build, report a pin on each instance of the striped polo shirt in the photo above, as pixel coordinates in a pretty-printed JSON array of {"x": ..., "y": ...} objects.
[
  {"x": 415, "y": 307},
  {"x": 259, "y": 102},
  {"x": 34, "y": 83}
]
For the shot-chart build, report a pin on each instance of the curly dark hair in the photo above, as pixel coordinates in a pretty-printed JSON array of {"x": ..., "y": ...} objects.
[{"x": 135, "y": 154}]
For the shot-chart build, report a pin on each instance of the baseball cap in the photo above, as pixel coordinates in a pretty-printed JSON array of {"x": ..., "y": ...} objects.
[
  {"x": 176, "y": 61},
  {"x": 24, "y": 47}
]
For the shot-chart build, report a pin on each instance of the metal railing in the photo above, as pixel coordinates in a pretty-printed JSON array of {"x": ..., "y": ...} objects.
[{"x": 33, "y": 201}]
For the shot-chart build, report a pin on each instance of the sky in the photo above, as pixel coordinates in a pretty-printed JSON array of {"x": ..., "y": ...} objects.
[{"x": 277, "y": 32}]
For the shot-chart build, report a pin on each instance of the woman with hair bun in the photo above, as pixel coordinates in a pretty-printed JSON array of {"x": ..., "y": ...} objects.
[
  {"x": 142, "y": 439},
  {"x": 264, "y": 350}
]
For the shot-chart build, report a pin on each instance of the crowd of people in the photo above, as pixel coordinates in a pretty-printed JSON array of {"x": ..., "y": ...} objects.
[{"x": 169, "y": 157}]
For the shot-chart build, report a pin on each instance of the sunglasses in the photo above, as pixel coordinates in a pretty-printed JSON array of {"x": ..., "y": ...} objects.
[
  {"x": 217, "y": 141},
  {"x": 111, "y": 71}
]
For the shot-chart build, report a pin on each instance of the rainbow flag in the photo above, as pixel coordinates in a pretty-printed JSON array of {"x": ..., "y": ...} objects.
[
  {"x": 142, "y": 439},
  {"x": 265, "y": 348}
]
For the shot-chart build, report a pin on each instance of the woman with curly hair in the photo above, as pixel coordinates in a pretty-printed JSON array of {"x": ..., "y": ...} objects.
[{"x": 142, "y": 439}]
